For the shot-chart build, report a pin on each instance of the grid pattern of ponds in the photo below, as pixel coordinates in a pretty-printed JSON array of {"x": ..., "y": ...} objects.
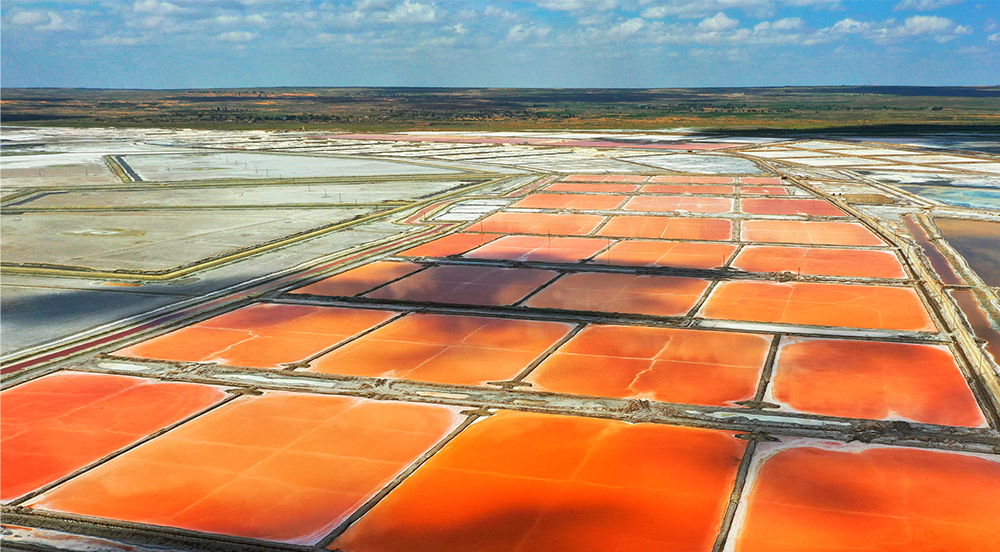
[{"x": 716, "y": 373}]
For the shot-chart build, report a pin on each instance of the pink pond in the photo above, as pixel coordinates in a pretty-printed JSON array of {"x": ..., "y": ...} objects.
[{"x": 540, "y": 249}]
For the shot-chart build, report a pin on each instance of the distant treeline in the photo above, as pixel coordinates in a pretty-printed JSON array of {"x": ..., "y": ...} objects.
[{"x": 507, "y": 108}]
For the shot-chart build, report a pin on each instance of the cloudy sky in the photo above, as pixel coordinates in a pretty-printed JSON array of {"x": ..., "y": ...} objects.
[{"x": 545, "y": 43}]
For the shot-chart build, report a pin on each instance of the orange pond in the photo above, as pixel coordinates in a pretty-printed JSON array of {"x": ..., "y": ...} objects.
[
  {"x": 624, "y": 178},
  {"x": 661, "y": 253},
  {"x": 525, "y": 482},
  {"x": 810, "y": 498},
  {"x": 763, "y": 206},
  {"x": 260, "y": 336},
  {"x": 278, "y": 467},
  {"x": 602, "y": 178},
  {"x": 679, "y": 189},
  {"x": 653, "y": 295},
  {"x": 694, "y": 179},
  {"x": 361, "y": 279},
  {"x": 673, "y": 203},
  {"x": 669, "y": 228},
  {"x": 809, "y": 232},
  {"x": 761, "y": 181},
  {"x": 472, "y": 285},
  {"x": 593, "y": 187},
  {"x": 540, "y": 248},
  {"x": 662, "y": 364},
  {"x": 463, "y": 350},
  {"x": 763, "y": 190},
  {"x": 57, "y": 424},
  {"x": 454, "y": 244},
  {"x": 820, "y": 261},
  {"x": 849, "y": 306},
  {"x": 537, "y": 223},
  {"x": 570, "y": 201},
  {"x": 868, "y": 379}
]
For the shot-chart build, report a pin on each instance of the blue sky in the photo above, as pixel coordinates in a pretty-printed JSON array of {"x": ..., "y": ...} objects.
[{"x": 502, "y": 43}]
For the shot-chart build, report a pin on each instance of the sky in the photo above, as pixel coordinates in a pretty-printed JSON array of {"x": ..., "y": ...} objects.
[{"x": 498, "y": 43}]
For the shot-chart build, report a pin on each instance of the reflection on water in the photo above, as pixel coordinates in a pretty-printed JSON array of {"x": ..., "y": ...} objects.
[
  {"x": 978, "y": 242},
  {"x": 869, "y": 379},
  {"x": 980, "y": 322},
  {"x": 527, "y": 481},
  {"x": 977, "y": 198},
  {"x": 989, "y": 143},
  {"x": 941, "y": 265},
  {"x": 282, "y": 467},
  {"x": 830, "y": 497}
]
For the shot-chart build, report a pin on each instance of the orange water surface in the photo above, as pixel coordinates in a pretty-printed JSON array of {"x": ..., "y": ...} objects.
[
  {"x": 766, "y": 206},
  {"x": 472, "y": 285},
  {"x": 522, "y": 482},
  {"x": 624, "y": 178},
  {"x": 570, "y": 201},
  {"x": 663, "y": 253},
  {"x": 681, "y": 189},
  {"x": 463, "y": 350},
  {"x": 654, "y": 295},
  {"x": 809, "y": 232},
  {"x": 59, "y": 423},
  {"x": 764, "y": 190},
  {"x": 868, "y": 379},
  {"x": 594, "y": 187},
  {"x": 361, "y": 279},
  {"x": 454, "y": 244},
  {"x": 260, "y": 336},
  {"x": 601, "y": 178},
  {"x": 538, "y": 223},
  {"x": 879, "y": 498},
  {"x": 849, "y": 306},
  {"x": 540, "y": 248},
  {"x": 663, "y": 364},
  {"x": 278, "y": 467},
  {"x": 670, "y": 228},
  {"x": 674, "y": 203},
  {"x": 820, "y": 261},
  {"x": 694, "y": 179},
  {"x": 762, "y": 181}
]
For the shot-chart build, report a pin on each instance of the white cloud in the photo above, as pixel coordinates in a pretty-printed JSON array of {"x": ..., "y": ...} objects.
[
  {"x": 659, "y": 9},
  {"x": 121, "y": 40},
  {"x": 156, "y": 7},
  {"x": 521, "y": 33},
  {"x": 56, "y": 23},
  {"x": 782, "y": 31},
  {"x": 717, "y": 23},
  {"x": 789, "y": 24},
  {"x": 236, "y": 36},
  {"x": 41, "y": 21},
  {"x": 493, "y": 11},
  {"x": 924, "y": 5},
  {"x": 577, "y": 5},
  {"x": 412, "y": 12},
  {"x": 924, "y": 24},
  {"x": 29, "y": 18},
  {"x": 995, "y": 37},
  {"x": 849, "y": 26},
  {"x": 627, "y": 28},
  {"x": 459, "y": 29},
  {"x": 812, "y": 3}
]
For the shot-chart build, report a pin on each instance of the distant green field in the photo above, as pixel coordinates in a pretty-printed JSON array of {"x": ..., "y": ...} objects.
[{"x": 854, "y": 109}]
